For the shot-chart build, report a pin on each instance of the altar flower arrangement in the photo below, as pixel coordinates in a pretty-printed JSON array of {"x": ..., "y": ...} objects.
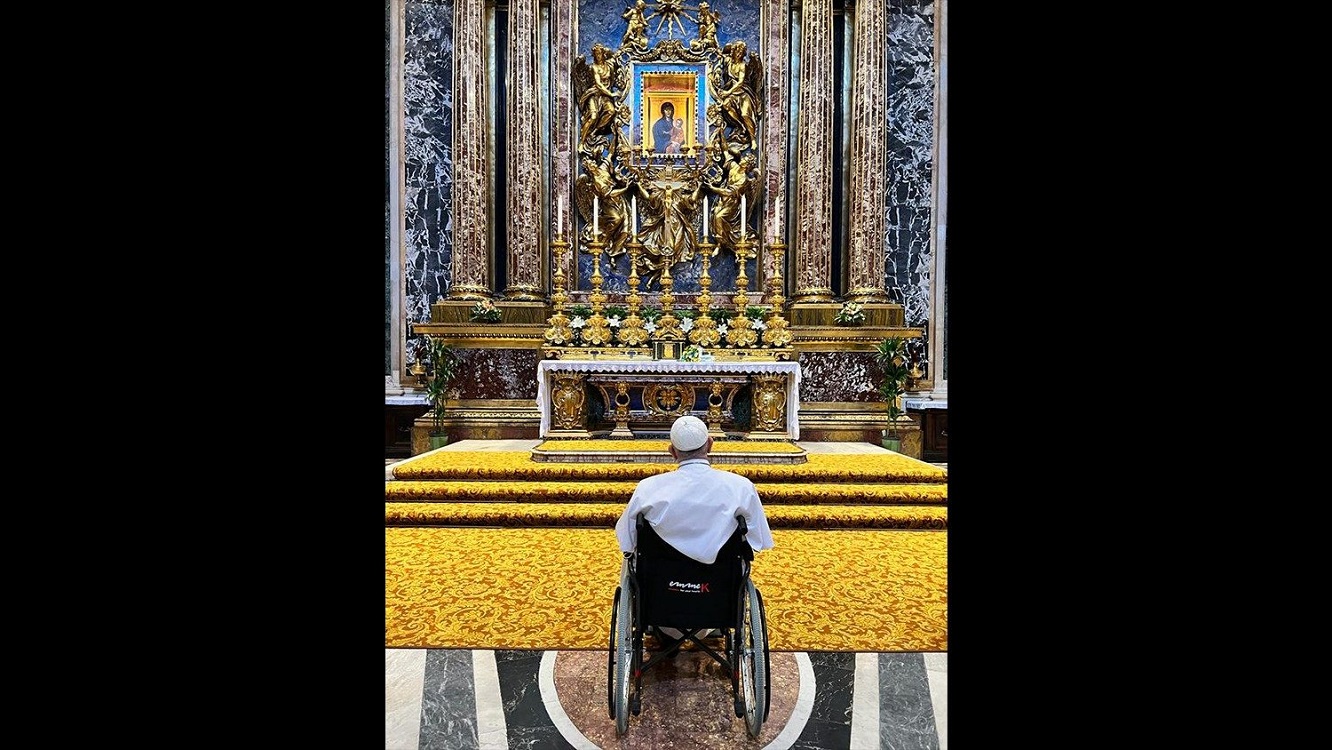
[
  {"x": 485, "y": 311},
  {"x": 691, "y": 353},
  {"x": 851, "y": 314}
]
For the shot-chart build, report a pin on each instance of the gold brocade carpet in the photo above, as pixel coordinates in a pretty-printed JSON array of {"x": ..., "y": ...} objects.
[
  {"x": 493, "y": 550},
  {"x": 551, "y": 589}
]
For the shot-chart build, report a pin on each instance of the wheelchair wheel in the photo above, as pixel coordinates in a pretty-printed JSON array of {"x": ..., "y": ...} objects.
[
  {"x": 619, "y": 668},
  {"x": 752, "y": 650}
]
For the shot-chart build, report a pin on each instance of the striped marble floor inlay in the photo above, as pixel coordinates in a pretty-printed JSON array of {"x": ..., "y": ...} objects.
[{"x": 444, "y": 699}]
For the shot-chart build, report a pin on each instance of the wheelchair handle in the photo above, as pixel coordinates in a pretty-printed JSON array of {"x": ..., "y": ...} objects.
[{"x": 744, "y": 529}]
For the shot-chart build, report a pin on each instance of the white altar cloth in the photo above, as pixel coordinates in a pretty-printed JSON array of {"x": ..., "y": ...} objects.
[{"x": 605, "y": 366}]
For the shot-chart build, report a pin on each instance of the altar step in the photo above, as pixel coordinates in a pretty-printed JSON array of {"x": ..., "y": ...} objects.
[
  {"x": 618, "y": 492},
  {"x": 604, "y": 515},
  {"x": 460, "y": 465},
  {"x": 511, "y": 488}
]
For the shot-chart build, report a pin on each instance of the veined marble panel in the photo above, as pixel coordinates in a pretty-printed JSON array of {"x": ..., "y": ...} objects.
[
  {"x": 389, "y": 259},
  {"x": 448, "y": 701},
  {"x": 906, "y": 713},
  {"x": 838, "y": 376},
  {"x": 427, "y": 147},
  {"x": 498, "y": 373},
  {"x": 911, "y": 73}
]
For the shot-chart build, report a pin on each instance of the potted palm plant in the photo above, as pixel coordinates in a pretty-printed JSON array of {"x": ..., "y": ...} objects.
[
  {"x": 891, "y": 356},
  {"x": 443, "y": 366}
]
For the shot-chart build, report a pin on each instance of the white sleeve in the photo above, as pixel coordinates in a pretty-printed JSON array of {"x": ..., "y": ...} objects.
[
  {"x": 758, "y": 535},
  {"x": 626, "y": 530}
]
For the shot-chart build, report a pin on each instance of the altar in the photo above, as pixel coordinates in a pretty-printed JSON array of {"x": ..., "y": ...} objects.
[{"x": 622, "y": 398}]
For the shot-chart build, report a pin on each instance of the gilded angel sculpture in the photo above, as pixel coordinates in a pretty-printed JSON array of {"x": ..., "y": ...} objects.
[
  {"x": 600, "y": 181},
  {"x": 735, "y": 86},
  {"x": 738, "y": 179},
  {"x": 599, "y": 87}
]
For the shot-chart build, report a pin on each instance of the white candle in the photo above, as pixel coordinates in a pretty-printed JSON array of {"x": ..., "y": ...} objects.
[
  {"x": 634, "y": 206},
  {"x": 705, "y": 217},
  {"x": 559, "y": 223},
  {"x": 596, "y": 210},
  {"x": 742, "y": 216}
]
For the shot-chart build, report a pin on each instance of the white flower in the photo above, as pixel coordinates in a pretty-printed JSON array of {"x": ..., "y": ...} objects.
[
  {"x": 613, "y": 322},
  {"x": 760, "y": 325},
  {"x": 687, "y": 325},
  {"x": 577, "y": 322},
  {"x": 649, "y": 326},
  {"x": 722, "y": 329}
]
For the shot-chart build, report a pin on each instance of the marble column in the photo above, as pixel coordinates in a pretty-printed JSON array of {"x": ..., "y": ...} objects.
[
  {"x": 813, "y": 229},
  {"x": 562, "y": 128},
  {"x": 526, "y": 204},
  {"x": 471, "y": 230},
  {"x": 776, "y": 33},
  {"x": 868, "y": 164}
]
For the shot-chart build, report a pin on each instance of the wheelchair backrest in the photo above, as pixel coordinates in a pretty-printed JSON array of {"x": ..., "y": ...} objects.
[{"x": 678, "y": 591}]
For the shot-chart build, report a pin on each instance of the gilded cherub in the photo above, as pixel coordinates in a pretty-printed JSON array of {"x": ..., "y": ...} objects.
[
  {"x": 707, "y": 28},
  {"x": 636, "y": 25}
]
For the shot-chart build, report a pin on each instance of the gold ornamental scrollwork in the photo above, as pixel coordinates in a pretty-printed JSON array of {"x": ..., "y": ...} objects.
[
  {"x": 668, "y": 399},
  {"x": 568, "y": 401},
  {"x": 770, "y": 402}
]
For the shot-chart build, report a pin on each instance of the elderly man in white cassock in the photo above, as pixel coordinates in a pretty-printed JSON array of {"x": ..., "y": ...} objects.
[{"x": 693, "y": 508}]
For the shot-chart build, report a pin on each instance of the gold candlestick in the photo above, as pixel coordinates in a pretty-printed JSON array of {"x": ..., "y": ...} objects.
[
  {"x": 631, "y": 330},
  {"x": 596, "y": 332},
  {"x": 668, "y": 326},
  {"x": 777, "y": 334},
  {"x": 559, "y": 331},
  {"x": 740, "y": 333},
  {"x": 704, "y": 332}
]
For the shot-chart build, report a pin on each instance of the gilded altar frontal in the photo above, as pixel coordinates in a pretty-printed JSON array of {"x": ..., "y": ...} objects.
[{"x": 614, "y": 212}]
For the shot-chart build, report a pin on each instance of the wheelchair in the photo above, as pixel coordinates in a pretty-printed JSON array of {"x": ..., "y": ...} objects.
[{"x": 661, "y": 587}]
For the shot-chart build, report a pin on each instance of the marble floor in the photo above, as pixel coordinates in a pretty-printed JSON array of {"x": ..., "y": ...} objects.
[{"x": 444, "y": 699}]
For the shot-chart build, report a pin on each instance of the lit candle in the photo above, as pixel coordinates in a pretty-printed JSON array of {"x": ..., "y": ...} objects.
[
  {"x": 705, "y": 217},
  {"x": 634, "y": 207},
  {"x": 596, "y": 210},
  {"x": 742, "y": 216}
]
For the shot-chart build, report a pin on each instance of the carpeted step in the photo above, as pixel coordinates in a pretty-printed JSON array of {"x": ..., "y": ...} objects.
[
  {"x": 618, "y": 492},
  {"x": 519, "y": 466},
  {"x": 604, "y": 515}
]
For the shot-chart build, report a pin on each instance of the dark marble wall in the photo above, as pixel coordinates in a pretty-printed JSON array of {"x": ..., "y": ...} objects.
[
  {"x": 498, "y": 373},
  {"x": 910, "y": 155},
  {"x": 388, "y": 218},
  {"x": 839, "y": 376},
  {"x": 427, "y": 71}
]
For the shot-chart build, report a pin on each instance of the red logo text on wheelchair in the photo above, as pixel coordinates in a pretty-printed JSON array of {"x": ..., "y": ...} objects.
[{"x": 681, "y": 587}]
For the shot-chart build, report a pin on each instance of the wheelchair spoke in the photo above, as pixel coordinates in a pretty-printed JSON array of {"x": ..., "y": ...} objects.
[{"x": 753, "y": 662}]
